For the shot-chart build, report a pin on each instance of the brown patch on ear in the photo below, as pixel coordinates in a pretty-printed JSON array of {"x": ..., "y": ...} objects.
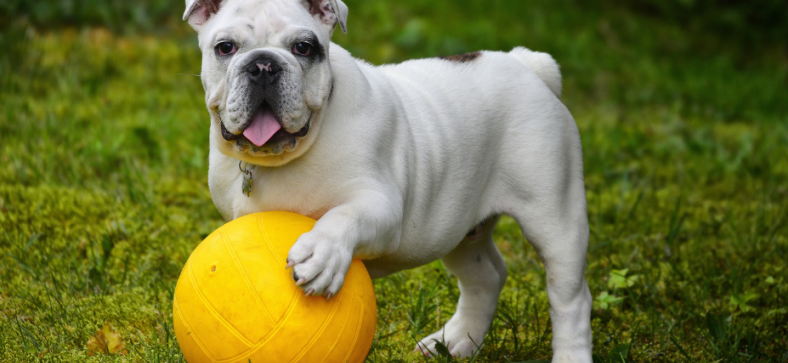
[
  {"x": 462, "y": 58},
  {"x": 330, "y": 12},
  {"x": 211, "y": 6},
  {"x": 323, "y": 9},
  {"x": 316, "y": 9},
  {"x": 199, "y": 11}
]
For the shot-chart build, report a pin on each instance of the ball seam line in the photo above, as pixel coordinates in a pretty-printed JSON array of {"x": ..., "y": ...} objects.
[
  {"x": 215, "y": 313},
  {"x": 267, "y": 240},
  {"x": 246, "y": 278},
  {"x": 339, "y": 337},
  {"x": 189, "y": 329},
  {"x": 358, "y": 330},
  {"x": 270, "y": 334},
  {"x": 260, "y": 224},
  {"x": 320, "y": 330}
]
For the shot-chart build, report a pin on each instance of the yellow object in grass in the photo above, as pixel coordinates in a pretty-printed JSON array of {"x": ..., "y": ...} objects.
[{"x": 236, "y": 302}]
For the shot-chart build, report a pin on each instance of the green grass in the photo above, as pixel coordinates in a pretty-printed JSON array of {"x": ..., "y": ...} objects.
[{"x": 103, "y": 189}]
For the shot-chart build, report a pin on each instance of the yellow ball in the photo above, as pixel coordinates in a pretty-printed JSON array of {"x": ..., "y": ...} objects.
[{"x": 236, "y": 302}]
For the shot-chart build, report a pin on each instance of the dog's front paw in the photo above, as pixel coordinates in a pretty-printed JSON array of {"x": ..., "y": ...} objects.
[{"x": 319, "y": 263}]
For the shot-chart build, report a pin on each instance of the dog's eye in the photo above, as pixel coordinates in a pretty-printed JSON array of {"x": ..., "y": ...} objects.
[
  {"x": 226, "y": 48},
  {"x": 302, "y": 48}
]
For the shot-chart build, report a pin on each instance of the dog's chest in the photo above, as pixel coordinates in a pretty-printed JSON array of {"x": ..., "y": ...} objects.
[{"x": 271, "y": 189}]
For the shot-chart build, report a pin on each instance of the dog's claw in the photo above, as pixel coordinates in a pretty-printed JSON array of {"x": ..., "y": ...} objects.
[
  {"x": 310, "y": 292},
  {"x": 289, "y": 264},
  {"x": 328, "y": 296},
  {"x": 300, "y": 281}
]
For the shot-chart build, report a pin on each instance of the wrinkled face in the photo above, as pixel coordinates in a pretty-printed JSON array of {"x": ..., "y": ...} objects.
[{"x": 266, "y": 75}]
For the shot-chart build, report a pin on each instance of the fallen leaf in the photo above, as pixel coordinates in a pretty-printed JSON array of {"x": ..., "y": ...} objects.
[{"x": 106, "y": 341}]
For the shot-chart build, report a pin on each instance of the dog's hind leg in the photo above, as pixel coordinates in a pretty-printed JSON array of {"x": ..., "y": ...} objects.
[
  {"x": 481, "y": 272},
  {"x": 556, "y": 225}
]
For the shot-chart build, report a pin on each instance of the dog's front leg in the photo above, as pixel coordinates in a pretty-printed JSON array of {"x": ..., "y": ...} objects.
[
  {"x": 481, "y": 272},
  {"x": 365, "y": 227}
]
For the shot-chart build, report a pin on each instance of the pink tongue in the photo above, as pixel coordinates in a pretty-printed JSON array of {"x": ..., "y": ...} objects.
[{"x": 264, "y": 125}]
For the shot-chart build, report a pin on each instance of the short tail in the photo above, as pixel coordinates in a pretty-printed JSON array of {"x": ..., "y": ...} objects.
[{"x": 543, "y": 65}]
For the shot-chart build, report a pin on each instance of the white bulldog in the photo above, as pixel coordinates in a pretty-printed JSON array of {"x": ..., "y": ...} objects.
[{"x": 400, "y": 164}]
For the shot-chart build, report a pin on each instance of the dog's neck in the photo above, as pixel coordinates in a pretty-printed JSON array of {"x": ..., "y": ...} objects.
[{"x": 349, "y": 81}]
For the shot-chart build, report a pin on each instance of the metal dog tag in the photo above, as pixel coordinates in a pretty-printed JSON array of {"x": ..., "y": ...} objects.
[{"x": 246, "y": 185}]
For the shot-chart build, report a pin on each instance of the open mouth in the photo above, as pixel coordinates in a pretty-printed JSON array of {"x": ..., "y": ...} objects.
[{"x": 264, "y": 128}]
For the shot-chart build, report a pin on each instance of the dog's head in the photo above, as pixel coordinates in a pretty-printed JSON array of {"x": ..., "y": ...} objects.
[{"x": 266, "y": 72}]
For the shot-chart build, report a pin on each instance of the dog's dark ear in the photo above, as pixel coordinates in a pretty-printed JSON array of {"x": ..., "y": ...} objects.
[
  {"x": 199, "y": 11},
  {"x": 330, "y": 12}
]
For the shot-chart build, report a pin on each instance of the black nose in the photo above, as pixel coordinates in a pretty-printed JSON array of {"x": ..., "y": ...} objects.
[{"x": 263, "y": 70}]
